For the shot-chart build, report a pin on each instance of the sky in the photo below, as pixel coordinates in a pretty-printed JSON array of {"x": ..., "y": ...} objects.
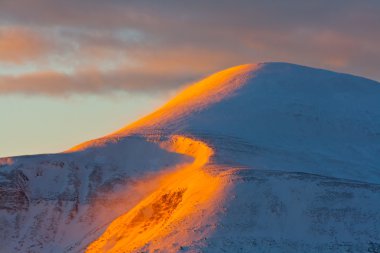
[{"x": 72, "y": 70}]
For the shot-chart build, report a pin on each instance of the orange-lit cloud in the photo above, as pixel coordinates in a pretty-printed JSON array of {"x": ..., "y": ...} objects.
[
  {"x": 18, "y": 45},
  {"x": 88, "y": 81},
  {"x": 152, "y": 72},
  {"x": 141, "y": 46}
]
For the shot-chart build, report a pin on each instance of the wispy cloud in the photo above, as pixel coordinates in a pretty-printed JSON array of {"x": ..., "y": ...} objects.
[
  {"x": 143, "y": 46},
  {"x": 19, "y": 45}
]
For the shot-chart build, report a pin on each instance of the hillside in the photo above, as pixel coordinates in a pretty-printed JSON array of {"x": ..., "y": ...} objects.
[{"x": 272, "y": 157}]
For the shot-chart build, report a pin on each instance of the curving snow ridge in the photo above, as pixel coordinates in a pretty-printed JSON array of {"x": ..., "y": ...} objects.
[
  {"x": 270, "y": 157},
  {"x": 183, "y": 201},
  {"x": 277, "y": 116}
]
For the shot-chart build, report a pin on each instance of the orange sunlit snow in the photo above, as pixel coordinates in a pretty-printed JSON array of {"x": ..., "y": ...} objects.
[
  {"x": 180, "y": 201},
  {"x": 195, "y": 97}
]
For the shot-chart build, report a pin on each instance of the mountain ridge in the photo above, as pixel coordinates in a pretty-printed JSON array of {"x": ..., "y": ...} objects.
[
  {"x": 248, "y": 103},
  {"x": 250, "y": 67},
  {"x": 259, "y": 157}
]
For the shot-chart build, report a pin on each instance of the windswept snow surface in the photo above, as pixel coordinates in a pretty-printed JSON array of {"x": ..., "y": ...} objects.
[
  {"x": 279, "y": 116},
  {"x": 270, "y": 157}
]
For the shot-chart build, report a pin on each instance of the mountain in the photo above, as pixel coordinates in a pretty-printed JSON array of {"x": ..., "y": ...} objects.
[{"x": 270, "y": 157}]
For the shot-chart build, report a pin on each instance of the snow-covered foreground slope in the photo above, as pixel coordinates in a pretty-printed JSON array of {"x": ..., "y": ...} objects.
[
  {"x": 272, "y": 157},
  {"x": 61, "y": 202}
]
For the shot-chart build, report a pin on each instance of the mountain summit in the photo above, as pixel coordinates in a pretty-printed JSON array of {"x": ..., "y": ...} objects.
[
  {"x": 270, "y": 157},
  {"x": 281, "y": 116}
]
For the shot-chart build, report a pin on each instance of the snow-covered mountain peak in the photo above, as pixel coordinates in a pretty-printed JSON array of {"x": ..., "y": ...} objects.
[
  {"x": 276, "y": 113},
  {"x": 270, "y": 157}
]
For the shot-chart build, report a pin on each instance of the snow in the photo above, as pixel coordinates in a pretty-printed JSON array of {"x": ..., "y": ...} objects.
[
  {"x": 294, "y": 117},
  {"x": 295, "y": 152},
  {"x": 63, "y": 198}
]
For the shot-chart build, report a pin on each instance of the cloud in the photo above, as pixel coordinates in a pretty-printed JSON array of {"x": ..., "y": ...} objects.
[
  {"x": 143, "y": 46},
  {"x": 19, "y": 45},
  {"x": 156, "y": 71},
  {"x": 94, "y": 81}
]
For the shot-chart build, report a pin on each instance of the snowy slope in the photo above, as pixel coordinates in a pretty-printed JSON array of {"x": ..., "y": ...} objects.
[
  {"x": 293, "y": 117},
  {"x": 292, "y": 154},
  {"x": 51, "y": 203}
]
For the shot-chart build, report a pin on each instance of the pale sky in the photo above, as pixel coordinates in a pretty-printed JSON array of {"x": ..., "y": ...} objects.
[
  {"x": 76, "y": 70},
  {"x": 32, "y": 125}
]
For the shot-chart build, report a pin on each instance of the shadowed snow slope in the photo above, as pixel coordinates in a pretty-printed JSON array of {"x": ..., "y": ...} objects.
[
  {"x": 279, "y": 116},
  {"x": 270, "y": 157}
]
